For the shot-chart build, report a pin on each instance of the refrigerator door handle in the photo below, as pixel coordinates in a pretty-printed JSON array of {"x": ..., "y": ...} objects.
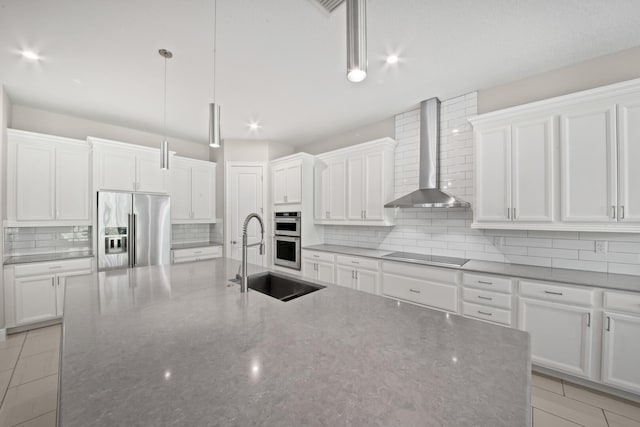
[{"x": 135, "y": 244}]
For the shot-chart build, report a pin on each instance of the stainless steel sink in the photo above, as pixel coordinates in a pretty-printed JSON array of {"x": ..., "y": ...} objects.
[{"x": 281, "y": 287}]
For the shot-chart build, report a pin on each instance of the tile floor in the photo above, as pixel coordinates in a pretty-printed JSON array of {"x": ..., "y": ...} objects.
[{"x": 29, "y": 390}]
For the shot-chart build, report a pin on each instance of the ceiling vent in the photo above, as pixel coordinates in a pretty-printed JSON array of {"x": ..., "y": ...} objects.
[{"x": 329, "y": 5}]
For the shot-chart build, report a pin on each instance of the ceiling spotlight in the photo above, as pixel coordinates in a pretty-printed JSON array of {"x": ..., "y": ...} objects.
[
  {"x": 392, "y": 59},
  {"x": 254, "y": 126},
  {"x": 29, "y": 54}
]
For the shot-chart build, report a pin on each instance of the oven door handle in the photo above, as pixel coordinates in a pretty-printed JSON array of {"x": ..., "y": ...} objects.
[{"x": 288, "y": 220}]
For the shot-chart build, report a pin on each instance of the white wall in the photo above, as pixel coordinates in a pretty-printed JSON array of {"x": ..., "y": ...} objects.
[
  {"x": 447, "y": 231},
  {"x": 376, "y": 130},
  {"x": 600, "y": 71},
  {"x": 5, "y": 115},
  {"x": 36, "y": 120}
]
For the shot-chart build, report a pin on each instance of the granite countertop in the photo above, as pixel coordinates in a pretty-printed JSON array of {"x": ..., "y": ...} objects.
[
  {"x": 191, "y": 245},
  {"x": 180, "y": 345},
  {"x": 561, "y": 275},
  {"x": 22, "y": 259}
]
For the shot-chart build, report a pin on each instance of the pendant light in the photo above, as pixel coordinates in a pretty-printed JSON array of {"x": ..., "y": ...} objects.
[
  {"x": 214, "y": 109},
  {"x": 164, "y": 145},
  {"x": 356, "y": 40}
]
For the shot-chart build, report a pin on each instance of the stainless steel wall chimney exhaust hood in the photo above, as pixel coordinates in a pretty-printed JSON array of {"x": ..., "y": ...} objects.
[{"x": 429, "y": 194}]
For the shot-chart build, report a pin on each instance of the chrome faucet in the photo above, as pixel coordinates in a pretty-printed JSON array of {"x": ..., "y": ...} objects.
[{"x": 244, "y": 285}]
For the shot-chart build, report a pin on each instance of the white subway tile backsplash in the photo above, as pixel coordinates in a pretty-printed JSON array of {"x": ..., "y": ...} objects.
[
  {"x": 43, "y": 240},
  {"x": 447, "y": 231}
]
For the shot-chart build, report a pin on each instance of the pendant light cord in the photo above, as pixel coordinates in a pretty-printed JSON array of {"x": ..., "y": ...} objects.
[
  {"x": 215, "y": 41},
  {"x": 164, "y": 112}
]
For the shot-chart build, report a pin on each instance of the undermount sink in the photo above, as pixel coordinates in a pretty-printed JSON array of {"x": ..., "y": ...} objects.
[{"x": 281, "y": 287}]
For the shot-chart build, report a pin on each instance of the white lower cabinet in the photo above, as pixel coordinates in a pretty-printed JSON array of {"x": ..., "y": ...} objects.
[
  {"x": 318, "y": 266},
  {"x": 358, "y": 273},
  {"x": 430, "y": 286},
  {"x": 195, "y": 254},
  {"x": 621, "y": 341},
  {"x": 35, "y": 292},
  {"x": 561, "y": 335}
]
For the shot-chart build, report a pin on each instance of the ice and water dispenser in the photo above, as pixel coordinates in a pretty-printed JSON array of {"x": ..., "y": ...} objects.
[{"x": 115, "y": 240}]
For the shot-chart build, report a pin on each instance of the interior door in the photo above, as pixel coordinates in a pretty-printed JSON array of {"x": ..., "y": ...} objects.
[{"x": 245, "y": 196}]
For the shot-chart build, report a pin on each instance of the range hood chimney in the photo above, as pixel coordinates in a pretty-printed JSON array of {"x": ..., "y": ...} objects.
[{"x": 429, "y": 194}]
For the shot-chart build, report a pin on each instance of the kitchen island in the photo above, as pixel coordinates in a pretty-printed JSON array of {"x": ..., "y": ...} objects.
[{"x": 180, "y": 345}]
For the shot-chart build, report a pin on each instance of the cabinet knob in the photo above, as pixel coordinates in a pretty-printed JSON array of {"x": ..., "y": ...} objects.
[{"x": 233, "y": 242}]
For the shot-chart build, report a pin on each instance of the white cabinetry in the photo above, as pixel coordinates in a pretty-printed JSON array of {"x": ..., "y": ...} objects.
[
  {"x": 354, "y": 183},
  {"x": 430, "y": 286},
  {"x": 559, "y": 320},
  {"x": 35, "y": 292},
  {"x": 488, "y": 298},
  {"x": 514, "y": 172},
  {"x": 318, "y": 266},
  {"x": 193, "y": 191},
  {"x": 126, "y": 167},
  {"x": 358, "y": 273},
  {"x": 195, "y": 254},
  {"x": 287, "y": 181},
  {"x": 584, "y": 182},
  {"x": 48, "y": 180},
  {"x": 621, "y": 341}
]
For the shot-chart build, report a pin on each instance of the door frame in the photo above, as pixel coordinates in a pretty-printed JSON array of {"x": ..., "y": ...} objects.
[{"x": 228, "y": 165}]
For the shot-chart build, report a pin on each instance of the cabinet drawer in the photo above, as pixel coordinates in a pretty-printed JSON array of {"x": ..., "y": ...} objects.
[
  {"x": 498, "y": 284},
  {"x": 478, "y": 296},
  {"x": 206, "y": 252},
  {"x": 358, "y": 262},
  {"x": 319, "y": 256},
  {"x": 486, "y": 313},
  {"x": 40, "y": 268},
  {"x": 551, "y": 292},
  {"x": 424, "y": 292},
  {"x": 441, "y": 275},
  {"x": 622, "y": 301}
]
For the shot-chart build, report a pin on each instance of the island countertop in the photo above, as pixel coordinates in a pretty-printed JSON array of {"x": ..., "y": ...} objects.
[{"x": 180, "y": 345}]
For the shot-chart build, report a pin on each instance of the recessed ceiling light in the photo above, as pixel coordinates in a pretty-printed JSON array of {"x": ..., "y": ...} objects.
[
  {"x": 29, "y": 54},
  {"x": 455, "y": 130},
  {"x": 392, "y": 59},
  {"x": 254, "y": 126}
]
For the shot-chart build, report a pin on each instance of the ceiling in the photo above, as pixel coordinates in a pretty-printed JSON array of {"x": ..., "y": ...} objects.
[{"x": 282, "y": 62}]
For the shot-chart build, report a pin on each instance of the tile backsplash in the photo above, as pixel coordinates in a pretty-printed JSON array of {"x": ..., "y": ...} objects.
[
  {"x": 447, "y": 231},
  {"x": 44, "y": 240},
  {"x": 188, "y": 233}
]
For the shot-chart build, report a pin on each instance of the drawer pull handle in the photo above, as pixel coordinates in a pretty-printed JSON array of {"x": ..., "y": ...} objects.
[
  {"x": 608, "y": 323},
  {"x": 484, "y": 282},
  {"x": 487, "y": 298},
  {"x": 553, "y": 293},
  {"x": 197, "y": 252},
  {"x": 355, "y": 262},
  {"x": 414, "y": 291},
  {"x": 55, "y": 267},
  {"x": 588, "y": 320},
  {"x": 316, "y": 256},
  {"x": 485, "y": 313}
]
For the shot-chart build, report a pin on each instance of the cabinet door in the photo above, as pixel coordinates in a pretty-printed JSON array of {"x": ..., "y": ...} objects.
[
  {"x": 374, "y": 186},
  {"x": 561, "y": 335},
  {"x": 325, "y": 272},
  {"x": 150, "y": 178},
  {"x": 203, "y": 192},
  {"x": 35, "y": 299},
  {"x": 355, "y": 187},
  {"x": 180, "y": 190},
  {"x": 309, "y": 269},
  {"x": 367, "y": 281},
  {"x": 337, "y": 189},
  {"x": 628, "y": 161},
  {"x": 621, "y": 351},
  {"x": 294, "y": 183},
  {"x": 532, "y": 154},
  {"x": 73, "y": 199},
  {"x": 116, "y": 170},
  {"x": 279, "y": 185},
  {"x": 588, "y": 165},
  {"x": 61, "y": 282},
  {"x": 35, "y": 182},
  {"x": 345, "y": 276},
  {"x": 322, "y": 194},
  {"x": 493, "y": 175}
]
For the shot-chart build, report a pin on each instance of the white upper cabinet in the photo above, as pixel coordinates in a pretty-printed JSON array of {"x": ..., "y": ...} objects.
[
  {"x": 48, "y": 180},
  {"x": 514, "y": 172},
  {"x": 127, "y": 167},
  {"x": 565, "y": 163},
  {"x": 354, "y": 183},
  {"x": 287, "y": 181},
  {"x": 588, "y": 167},
  {"x": 193, "y": 191}
]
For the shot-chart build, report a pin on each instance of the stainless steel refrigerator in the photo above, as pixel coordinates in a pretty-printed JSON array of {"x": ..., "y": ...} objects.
[{"x": 133, "y": 230}]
